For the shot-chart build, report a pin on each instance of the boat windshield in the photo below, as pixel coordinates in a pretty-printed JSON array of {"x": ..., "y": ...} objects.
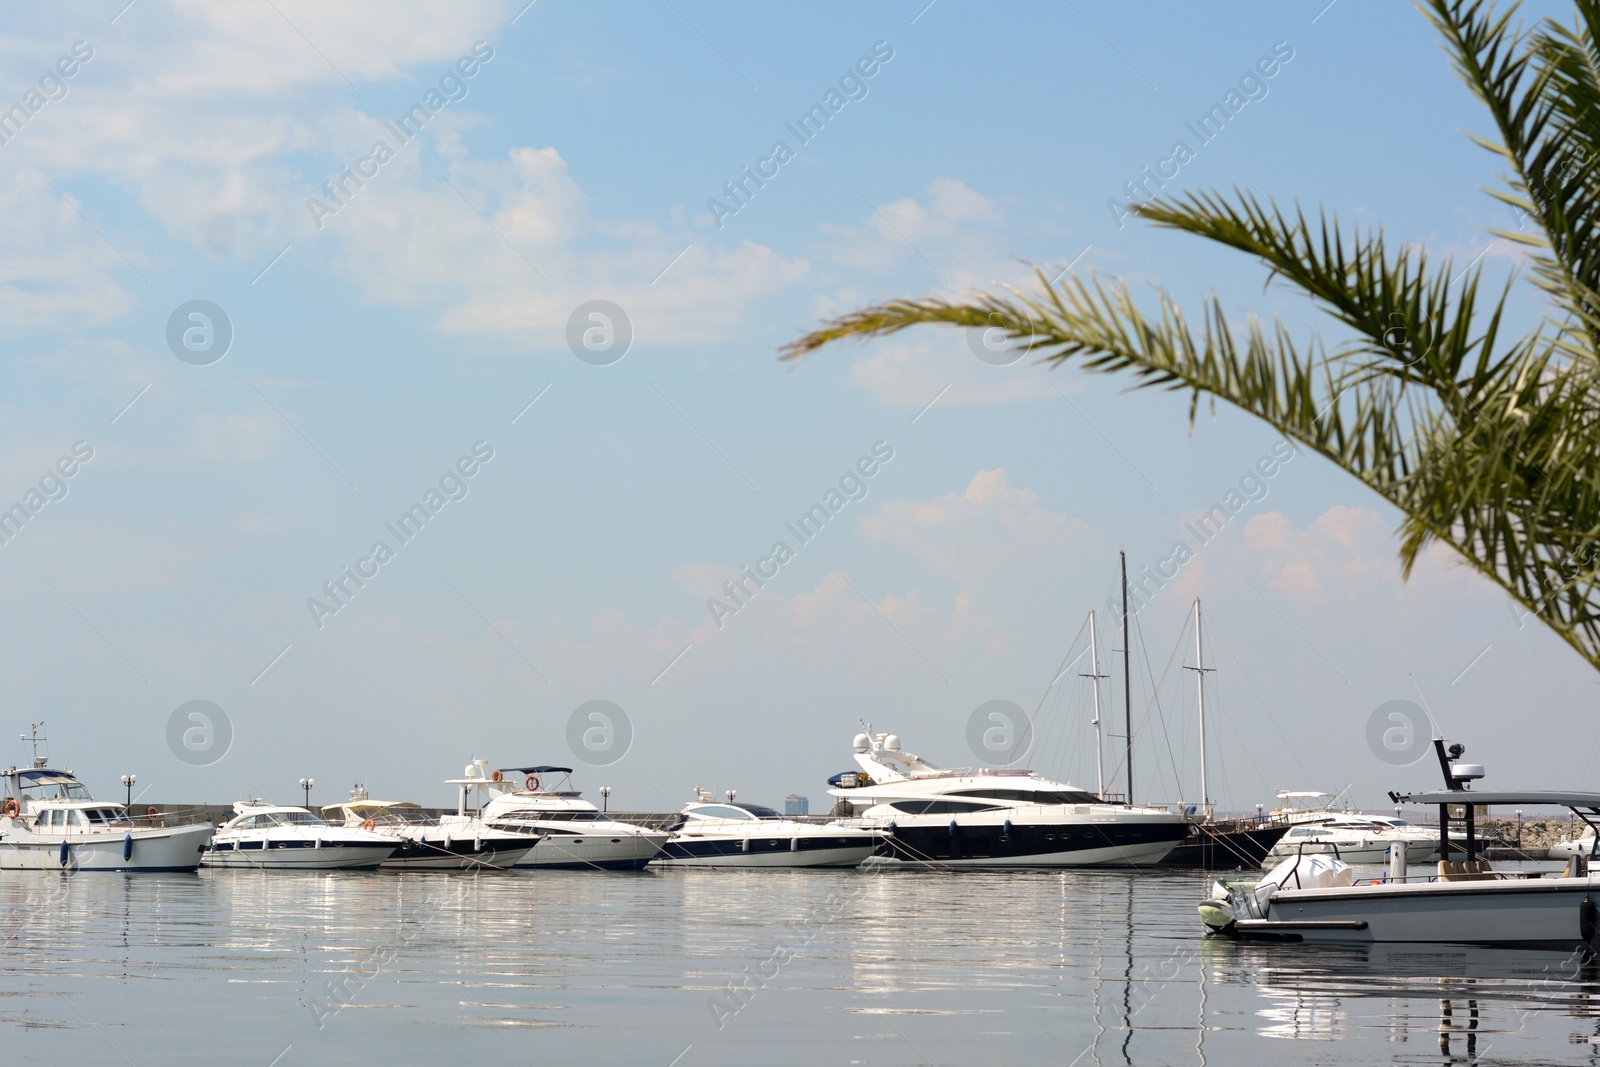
[
  {"x": 46, "y": 784},
  {"x": 107, "y": 817},
  {"x": 738, "y": 812}
]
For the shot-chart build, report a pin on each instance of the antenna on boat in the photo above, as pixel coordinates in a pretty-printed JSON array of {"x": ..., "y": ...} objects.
[
  {"x": 1094, "y": 675},
  {"x": 1127, "y": 677},
  {"x": 1200, "y": 672},
  {"x": 36, "y": 739}
]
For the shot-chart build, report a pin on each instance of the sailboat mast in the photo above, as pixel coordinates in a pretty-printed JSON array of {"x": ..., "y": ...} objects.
[
  {"x": 1127, "y": 677},
  {"x": 1095, "y": 676},
  {"x": 1200, "y": 699},
  {"x": 1200, "y": 671}
]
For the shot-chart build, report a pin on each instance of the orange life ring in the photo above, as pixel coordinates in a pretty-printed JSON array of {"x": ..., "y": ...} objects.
[
  {"x": 368, "y": 825},
  {"x": 532, "y": 783},
  {"x": 11, "y": 809},
  {"x": 150, "y": 810},
  {"x": 497, "y": 777}
]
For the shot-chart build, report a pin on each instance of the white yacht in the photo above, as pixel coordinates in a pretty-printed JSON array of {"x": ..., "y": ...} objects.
[
  {"x": 448, "y": 842},
  {"x": 48, "y": 821},
  {"x": 1319, "y": 899},
  {"x": 994, "y": 817},
  {"x": 576, "y": 835},
  {"x": 277, "y": 837},
  {"x": 708, "y": 834},
  {"x": 1357, "y": 838}
]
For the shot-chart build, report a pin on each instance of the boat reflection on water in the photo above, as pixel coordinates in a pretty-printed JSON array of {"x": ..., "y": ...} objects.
[{"x": 1455, "y": 996}]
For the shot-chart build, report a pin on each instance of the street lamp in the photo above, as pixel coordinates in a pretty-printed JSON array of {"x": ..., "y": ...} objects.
[
  {"x": 128, "y": 780},
  {"x": 306, "y": 784},
  {"x": 605, "y": 798},
  {"x": 1519, "y": 829},
  {"x": 731, "y": 794}
]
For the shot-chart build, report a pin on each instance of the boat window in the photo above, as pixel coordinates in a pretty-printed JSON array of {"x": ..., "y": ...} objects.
[
  {"x": 758, "y": 811},
  {"x": 118, "y": 817},
  {"x": 301, "y": 818},
  {"x": 1303, "y": 832},
  {"x": 940, "y": 807},
  {"x": 96, "y": 815},
  {"x": 76, "y": 817},
  {"x": 246, "y": 823},
  {"x": 1031, "y": 796}
]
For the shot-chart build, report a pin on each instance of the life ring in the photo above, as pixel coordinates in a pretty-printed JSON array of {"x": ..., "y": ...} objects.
[
  {"x": 368, "y": 825},
  {"x": 150, "y": 810},
  {"x": 11, "y": 809},
  {"x": 532, "y": 783},
  {"x": 1376, "y": 830},
  {"x": 497, "y": 777}
]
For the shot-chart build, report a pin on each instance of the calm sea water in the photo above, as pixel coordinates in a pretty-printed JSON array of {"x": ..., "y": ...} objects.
[{"x": 835, "y": 967}]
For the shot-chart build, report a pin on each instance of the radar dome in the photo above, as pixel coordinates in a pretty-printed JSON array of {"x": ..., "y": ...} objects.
[
  {"x": 892, "y": 742},
  {"x": 471, "y": 771},
  {"x": 862, "y": 742}
]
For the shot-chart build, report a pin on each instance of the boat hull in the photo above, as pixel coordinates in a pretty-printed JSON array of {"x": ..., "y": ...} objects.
[
  {"x": 1124, "y": 843},
  {"x": 583, "y": 852},
  {"x": 456, "y": 855},
  {"x": 175, "y": 848},
  {"x": 297, "y": 856},
  {"x": 1557, "y": 913},
  {"x": 1225, "y": 848},
  {"x": 789, "y": 852}
]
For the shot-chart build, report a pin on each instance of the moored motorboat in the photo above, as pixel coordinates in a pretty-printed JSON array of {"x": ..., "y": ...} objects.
[
  {"x": 48, "y": 821},
  {"x": 575, "y": 835},
  {"x": 447, "y": 842},
  {"x": 748, "y": 835},
  {"x": 269, "y": 836},
  {"x": 1357, "y": 838},
  {"x": 1317, "y": 898}
]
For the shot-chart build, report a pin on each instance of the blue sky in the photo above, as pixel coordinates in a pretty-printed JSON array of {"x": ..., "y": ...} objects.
[{"x": 374, "y": 350}]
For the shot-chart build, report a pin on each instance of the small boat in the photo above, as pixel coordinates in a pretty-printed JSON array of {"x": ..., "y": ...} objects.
[
  {"x": 280, "y": 837},
  {"x": 447, "y": 843},
  {"x": 575, "y": 834},
  {"x": 1319, "y": 899},
  {"x": 707, "y": 834},
  {"x": 48, "y": 821}
]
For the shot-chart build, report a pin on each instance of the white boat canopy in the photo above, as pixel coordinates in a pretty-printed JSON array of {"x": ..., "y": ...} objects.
[{"x": 1525, "y": 798}]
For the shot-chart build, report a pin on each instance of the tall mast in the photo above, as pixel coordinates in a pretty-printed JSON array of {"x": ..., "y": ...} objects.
[
  {"x": 1095, "y": 675},
  {"x": 1127, "y": 678},
  {"x": 1200, "y": 671}
]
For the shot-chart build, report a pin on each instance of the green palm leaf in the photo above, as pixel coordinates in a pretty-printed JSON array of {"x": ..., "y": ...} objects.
[{"x": 1485, "y": 443}]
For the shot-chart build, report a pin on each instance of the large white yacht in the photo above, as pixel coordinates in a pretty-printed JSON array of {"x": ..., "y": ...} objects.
[
  {"x": 708, "y": 834},
  {"x": 277, "y": 837},
  {"x": 446, "y": 843},
  {"x": 994, "y": 817},
  {"x": 48, "y": 821},
  {"x": 576, "y": 835}
]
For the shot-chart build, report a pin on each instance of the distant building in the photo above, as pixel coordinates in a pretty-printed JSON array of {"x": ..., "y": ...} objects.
[{"x": 795, "y": 804}]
